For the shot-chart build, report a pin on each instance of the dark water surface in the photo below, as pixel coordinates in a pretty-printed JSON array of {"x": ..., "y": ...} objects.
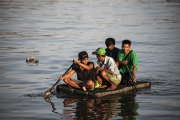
[{"x": 54, "y": 31}]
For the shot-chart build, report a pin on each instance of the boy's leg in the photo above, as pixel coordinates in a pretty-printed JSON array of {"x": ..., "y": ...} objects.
[
  {"x": 87, "y": 85},
  {"x": 106, "y": 78},
  {"x": 100, "y": 81},
  {"x": 103, "y": 78},
  {"x": 71, "y": 83}
]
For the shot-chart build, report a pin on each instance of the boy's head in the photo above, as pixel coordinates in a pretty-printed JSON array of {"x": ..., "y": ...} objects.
[
  {"x": 110, "y": 43},
  {"x": 100, "y": 53},
  {"x": 126, "y": 45},
  {"x": 82, "y": 55}
]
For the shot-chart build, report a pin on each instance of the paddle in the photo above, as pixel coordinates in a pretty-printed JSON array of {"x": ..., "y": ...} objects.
[
  {"x": 47, "y": 93},
  {"x": 131, "y": 77}
]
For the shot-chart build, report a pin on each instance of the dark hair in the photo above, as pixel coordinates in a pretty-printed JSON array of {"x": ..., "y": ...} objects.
[
  {"x": 126, "y": 41},
  {"x": 110, "y": 41},
  {"x": 82, "y": 55}
]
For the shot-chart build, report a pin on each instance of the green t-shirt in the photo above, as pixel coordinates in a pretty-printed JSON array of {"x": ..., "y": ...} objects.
[{"x": 132, "y": 61}]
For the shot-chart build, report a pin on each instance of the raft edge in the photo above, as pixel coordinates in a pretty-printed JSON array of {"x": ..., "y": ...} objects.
[{"x": 105, "y": 93}]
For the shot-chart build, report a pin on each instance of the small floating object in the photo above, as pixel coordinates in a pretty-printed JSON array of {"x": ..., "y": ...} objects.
[
  {"x": 27, "y": 59},
  {"x": 36, "y": 61},
  {"x": 30, "y": 58}
]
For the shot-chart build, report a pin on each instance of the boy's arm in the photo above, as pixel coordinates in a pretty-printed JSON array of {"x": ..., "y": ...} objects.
[
  {"x": 135, "y": 63},
  {"x": 110, "y": 69},
  {"x": 117, "y": 63},
  {"x": 87, "y": 67},
  {"x": 120, "y": 60},
  {"x": 103, "y": 69},
  {"x": 68, "y": 75},
  {"x": 134, "y": 70},
  {"x": 134, "y": 73},
  {"x": 124, "y": 62}
]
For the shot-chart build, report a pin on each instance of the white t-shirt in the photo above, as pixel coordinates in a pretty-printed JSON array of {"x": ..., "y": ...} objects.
[{"x": 109, "y": 64}]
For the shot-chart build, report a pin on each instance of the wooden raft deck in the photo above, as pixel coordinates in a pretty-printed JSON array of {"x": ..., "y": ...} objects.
[{"x": 98, "y": 92}]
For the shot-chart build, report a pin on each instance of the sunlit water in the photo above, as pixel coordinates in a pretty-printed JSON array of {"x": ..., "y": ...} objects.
[{"x": 54, "y": 31}]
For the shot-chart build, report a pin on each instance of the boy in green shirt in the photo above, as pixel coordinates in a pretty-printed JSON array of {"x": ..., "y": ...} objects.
[{"x": 127, "y": 59}]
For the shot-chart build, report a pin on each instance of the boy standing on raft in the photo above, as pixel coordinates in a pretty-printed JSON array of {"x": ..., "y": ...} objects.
[
  {"x": 127, "y": 62},
  {"x": 85, "y": 73},
  {"x": 107, "y": 72}
]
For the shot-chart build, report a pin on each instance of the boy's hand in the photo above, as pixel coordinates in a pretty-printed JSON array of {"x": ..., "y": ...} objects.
[
  {"x": 61, "y": 77},
  {"x": 125, "y": 62},
  {"x": 133, "y": 78},
  {"x": 98, "y": 69},
  {"x": 75, "y": 61}
]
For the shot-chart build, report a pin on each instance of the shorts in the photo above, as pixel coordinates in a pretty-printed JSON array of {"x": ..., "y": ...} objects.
[
  {"x": 114, "y": 78},
  {"x": 97, "y": 84},
  {"x": 81, "y": 83}
]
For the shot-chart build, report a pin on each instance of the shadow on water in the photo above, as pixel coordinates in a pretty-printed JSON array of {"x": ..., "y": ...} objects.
[{"x": 118, "y": 106}]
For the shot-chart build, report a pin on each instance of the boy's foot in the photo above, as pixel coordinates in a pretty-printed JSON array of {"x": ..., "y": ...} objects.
[
  {"x": 112, "y": 87},
  {"x": 84, "y": 88}
]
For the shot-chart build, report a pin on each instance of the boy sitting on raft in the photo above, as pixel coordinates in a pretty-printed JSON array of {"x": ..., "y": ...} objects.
[
  {"x": 106, "y": 70},
  {"x": 111, "y": 50},
  {"x": 85, "y": 73},
  {"x": 127, "y": 62}
]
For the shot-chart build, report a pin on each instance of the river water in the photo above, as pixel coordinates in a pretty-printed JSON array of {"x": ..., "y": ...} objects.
[{"x": 54, "y": 31}]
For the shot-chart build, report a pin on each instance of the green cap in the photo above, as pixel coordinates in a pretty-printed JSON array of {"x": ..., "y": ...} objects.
[{"x": 101, "y": 51}]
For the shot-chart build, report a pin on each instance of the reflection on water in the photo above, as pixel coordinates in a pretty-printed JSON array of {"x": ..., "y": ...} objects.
[
  {"x": 129, "y": 107},
  {"x": 119, "y": 106},
  {"x": 56, "y": 30}
]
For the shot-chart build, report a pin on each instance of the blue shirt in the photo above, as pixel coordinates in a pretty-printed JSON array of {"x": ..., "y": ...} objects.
[{"x": 113, "y": 54}]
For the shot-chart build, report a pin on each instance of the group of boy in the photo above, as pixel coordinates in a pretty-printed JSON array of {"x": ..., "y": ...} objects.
[{"x": 114, "y": 66}]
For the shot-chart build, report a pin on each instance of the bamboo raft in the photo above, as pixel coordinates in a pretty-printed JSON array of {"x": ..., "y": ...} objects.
[{"x": 99, "y": 92}]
